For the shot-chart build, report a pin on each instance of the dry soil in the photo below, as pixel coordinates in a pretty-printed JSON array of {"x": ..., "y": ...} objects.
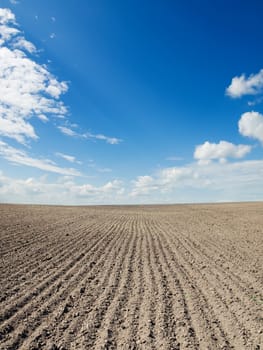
[{"x": 131, "y": 277}]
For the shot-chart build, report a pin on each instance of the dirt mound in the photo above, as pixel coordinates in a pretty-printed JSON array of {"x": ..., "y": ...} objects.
[{"x": 142, "y": 277}]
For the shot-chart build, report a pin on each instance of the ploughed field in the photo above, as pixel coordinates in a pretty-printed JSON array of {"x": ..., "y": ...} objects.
[{"x": 131, "y": 277}]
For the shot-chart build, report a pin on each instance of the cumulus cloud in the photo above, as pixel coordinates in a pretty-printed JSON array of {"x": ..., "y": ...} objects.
[
  {"x": 63, "y": 191},
  {"x": 237, "y": 181},
  {"x": 15, "y": 127},
  {"x": 243, "y": 85},
  {"x": 6, "y": 16},
  {"x": 143, "y": 185},
  {"x": 7, "y": 31},
  {"x": 242, "y": 180},
  {"x": 20, "y": 157},
  {"x": 251, "y": 125},
  {"x": 221, "y": 151},
  {"x": 27, "y": 89}
]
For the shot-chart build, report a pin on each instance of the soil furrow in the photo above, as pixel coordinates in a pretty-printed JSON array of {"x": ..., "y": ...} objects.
[
  {"x": 69, "y": 314},
  {"x": 43, "y": 267},
  {"x": 213, "y": 253},
  {"x": 124, "y": 322},
  {"x": 178, "y": 321},
  {"x": 226, "y": 289},
  {"x": 96, "y": 316},
  {"x": 114, "y": 317},
  {"x": 55, "y": 286},
  {"x": 223, "y": 318}
]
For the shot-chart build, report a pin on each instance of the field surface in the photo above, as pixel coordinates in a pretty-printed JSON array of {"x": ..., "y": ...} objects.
[{"x": 131, "y": 277}]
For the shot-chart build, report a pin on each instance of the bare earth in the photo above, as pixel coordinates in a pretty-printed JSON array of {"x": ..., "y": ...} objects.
[{"x": 131, "y": 277}]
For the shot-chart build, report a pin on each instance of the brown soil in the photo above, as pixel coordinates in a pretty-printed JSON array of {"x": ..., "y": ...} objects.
[{"x": 131, "y": 277}]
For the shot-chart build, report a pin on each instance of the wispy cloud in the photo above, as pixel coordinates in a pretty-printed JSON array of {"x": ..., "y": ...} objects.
[
  {"x": 255, "y": 101},
  {"x": 67, "y": 131},
  {"x": 23, "y": 44},
  {"x": 18, "y": 156},
  {"x": 70, "y": 132},
  {"x": 68, "y": 157},
  {"x": 107, "y": 139}
]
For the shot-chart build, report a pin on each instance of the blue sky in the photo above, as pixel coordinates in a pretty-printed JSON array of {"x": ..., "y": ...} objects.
[{"x": 130, "y": 102}]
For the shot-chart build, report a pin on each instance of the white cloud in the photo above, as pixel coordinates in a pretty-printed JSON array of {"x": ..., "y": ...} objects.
[
  {"x": 52, "y": 35},
  {"x": 6, "y": 33},
  {"x": 68, "y": 157},
  {"x": 17, "y": 156},
  {"x": 15, "y": 127},
  {"x": 43, "y": 117},
  {"x": 113, "y": 186},
  {"x": 14, "y": 2},
  {"x": 243, "y": 85},
  {"x": 144, "y": 185},
  {"x": 63, "y": 191},
  {"x": 174, "y": 175},
  {"x": 251, "y": 125},
  {"x": 110, "y": 140},
  {"x": 255, "y": 101},
  {"x": 55, "y": 88},
  {"x": 6, "y": 16},
  {"x": 27, "y": 89},
  {"x": 69, "y": 132},
  {"x": 238, "y": 181},
  {"x": 221, "y": 151},
  {"x": 23, "y": 44}
]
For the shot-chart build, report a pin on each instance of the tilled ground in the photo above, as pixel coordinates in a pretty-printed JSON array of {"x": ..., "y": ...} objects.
[{"x": 131, "y": 277}]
